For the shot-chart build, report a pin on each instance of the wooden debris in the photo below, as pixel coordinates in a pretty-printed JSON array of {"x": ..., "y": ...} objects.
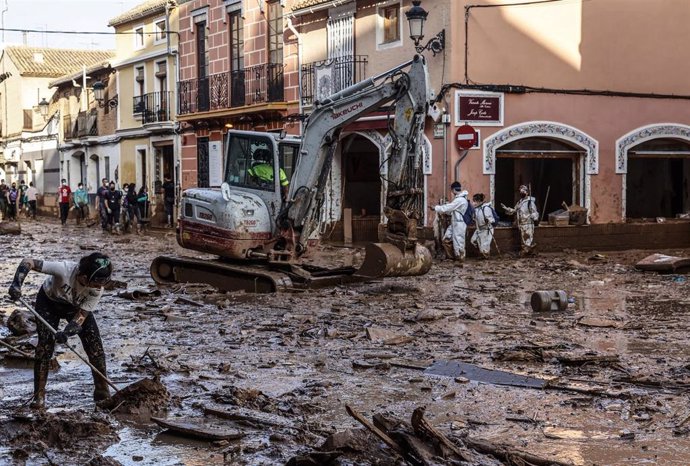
[
  {"x": 422, "y": 427},
  {"x": 387, "y": 337},
  {"x": 598, "y": 323},
  {"x": 663, "y": 263},
  {"x": 16, "y": 350},
  {"x": 10, "y": 228},
  {"x": 251, "y": 417},
  {"x": 197, "y": 430},
  {"x": 375, "y": 430}
]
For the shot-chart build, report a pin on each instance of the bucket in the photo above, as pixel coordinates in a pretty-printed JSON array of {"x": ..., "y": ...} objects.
[{"x": 552, "y": 300}]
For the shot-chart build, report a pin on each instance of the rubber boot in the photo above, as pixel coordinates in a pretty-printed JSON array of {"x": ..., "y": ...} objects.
[
  {"x": 448, "y": 248},
  {"x": 102, "y": 391},
  {"x": 40, "y": 379}
]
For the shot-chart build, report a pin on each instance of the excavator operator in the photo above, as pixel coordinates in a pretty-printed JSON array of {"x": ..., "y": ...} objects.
[{"x": 261, "y": 172}]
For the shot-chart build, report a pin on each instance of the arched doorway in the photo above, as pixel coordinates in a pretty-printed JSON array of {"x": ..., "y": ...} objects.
[
  {"x": 93, "y": 173},
  {"x": 655, "y": 163},
  {"x": 78, "y": 173},
  {"x": 361, "y": 186},
  {"x": 543, "y": 154}
]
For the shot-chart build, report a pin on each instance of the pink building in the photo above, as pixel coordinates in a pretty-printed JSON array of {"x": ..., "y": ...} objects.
[{"x": 235, "y": 71}]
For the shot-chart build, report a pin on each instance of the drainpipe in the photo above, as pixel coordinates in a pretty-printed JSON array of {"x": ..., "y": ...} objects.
[
  {"x": 291, "y": 27},
  {"x": 457, "y": 164},
  {"x": 445, "y": 151},
  {"x": 177, "y": 176}
]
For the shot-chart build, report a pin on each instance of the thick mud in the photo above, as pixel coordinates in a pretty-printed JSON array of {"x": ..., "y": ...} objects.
[{"x": 281, "y": 368}]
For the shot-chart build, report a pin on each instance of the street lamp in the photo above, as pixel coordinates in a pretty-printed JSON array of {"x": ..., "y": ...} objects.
[
  {"x": 99, "y": 94},
  {"x": 43, "y": 107},
  {"x": 415, "y": 18}
]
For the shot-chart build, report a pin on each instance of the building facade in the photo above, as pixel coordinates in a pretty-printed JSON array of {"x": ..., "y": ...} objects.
[
  {"x": 28, "y": 138},
  {"x": 88, "y": 147},
  {"x": 238, "y": 69},
  {"x": 145, "y": 67}
]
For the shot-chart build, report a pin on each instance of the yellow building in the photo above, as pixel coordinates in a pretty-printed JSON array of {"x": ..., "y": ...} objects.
[{"x": 145, "y": 67}]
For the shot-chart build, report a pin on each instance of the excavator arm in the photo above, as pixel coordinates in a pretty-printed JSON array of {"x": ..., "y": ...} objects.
[{"x": 406, "y": 86}]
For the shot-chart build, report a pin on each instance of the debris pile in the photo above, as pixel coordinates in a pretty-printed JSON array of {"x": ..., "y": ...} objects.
[{"x": 144, "y": 397}]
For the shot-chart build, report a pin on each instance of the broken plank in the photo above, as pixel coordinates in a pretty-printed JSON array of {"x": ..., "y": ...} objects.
[
  {"x": 375, "y": 430},
  {"x": 251, "y": 416},
  {"x": 198, "y": 430},
  {"x": 422, "y": 426}
]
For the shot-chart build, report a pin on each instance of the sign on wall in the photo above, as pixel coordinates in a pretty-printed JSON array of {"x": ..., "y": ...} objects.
[
  {"x": 478, "y": 108},
  {"x": 215, "y": 164}
]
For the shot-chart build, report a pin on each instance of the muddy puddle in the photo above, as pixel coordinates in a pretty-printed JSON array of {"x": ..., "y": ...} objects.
[{"x": 281, "y": 369}]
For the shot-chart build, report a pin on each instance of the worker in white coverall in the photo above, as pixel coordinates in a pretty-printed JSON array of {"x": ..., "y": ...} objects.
[
  {"x": 484, "y": 221},
  {"x": 526, "y": 214},
  {"x": 455, "y": 233}
]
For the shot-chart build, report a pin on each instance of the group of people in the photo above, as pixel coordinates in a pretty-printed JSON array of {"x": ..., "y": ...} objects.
[
  {"x": 118, "y": 210},
  {"x": 16, "y": 199},
  {"x": 480, "y": 212},
  {"x": 121, "y": 210}
]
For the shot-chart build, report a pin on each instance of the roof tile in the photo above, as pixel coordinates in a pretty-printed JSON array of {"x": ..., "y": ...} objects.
[
  {"x": 147, "y": 8},
  {"x": 53, "y": 63}
]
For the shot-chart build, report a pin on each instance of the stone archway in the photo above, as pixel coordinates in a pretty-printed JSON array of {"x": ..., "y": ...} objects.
[
  {"x": 637, "y": 137},
  {"x": 543, "y": 129}
]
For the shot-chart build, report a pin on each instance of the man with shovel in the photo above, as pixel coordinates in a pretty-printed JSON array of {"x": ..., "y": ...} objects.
[{"x": 71, "y": 292}]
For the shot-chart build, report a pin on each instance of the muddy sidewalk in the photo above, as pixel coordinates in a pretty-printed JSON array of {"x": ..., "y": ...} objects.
[{"x": 263, "y": 379}]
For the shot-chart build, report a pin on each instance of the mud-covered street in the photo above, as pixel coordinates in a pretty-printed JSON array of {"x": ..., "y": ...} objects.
[{"x": 272, "y": 375}]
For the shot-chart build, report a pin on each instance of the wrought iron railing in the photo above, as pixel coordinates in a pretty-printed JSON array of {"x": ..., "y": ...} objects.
[
  {"x": 262, "y": 83},
  {"x": 322, "y": 78},
  {"x": 154, "y": 107}
]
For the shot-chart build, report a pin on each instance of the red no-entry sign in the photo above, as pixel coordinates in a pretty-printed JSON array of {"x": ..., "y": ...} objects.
[{"x": 465, "y": 137}]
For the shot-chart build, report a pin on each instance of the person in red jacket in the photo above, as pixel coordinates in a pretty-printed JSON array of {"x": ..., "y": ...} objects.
[{"x": 64, "y": 194}]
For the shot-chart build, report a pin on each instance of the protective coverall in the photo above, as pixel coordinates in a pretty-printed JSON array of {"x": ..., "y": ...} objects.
[
  {"x": 458, "y": 227},
  {"x": 526, "y": 214},
  {"x": 483, "y": 235}
]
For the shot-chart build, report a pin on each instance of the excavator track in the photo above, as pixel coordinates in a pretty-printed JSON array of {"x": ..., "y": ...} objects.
[{"x": 381, "y": 260}]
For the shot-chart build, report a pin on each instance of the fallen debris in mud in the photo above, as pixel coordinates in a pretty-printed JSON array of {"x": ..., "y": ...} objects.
[
  {"x": 480, "y": 374},
  {"x": 199, "y": 430},
  {"x": 63, "y": 431},
  {"x": 139, "y": 294},
  {"x": 144, "y": 397},
  {"x": 417, "y": 443},
  {"x": 663, "y": 263},
  {"x": 243, "y": 397},
  {"x": 21, "y": 323},
  {"x": 10, "y": 228}
]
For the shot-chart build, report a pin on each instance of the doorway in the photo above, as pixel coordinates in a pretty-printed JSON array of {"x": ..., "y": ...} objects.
[
  {"x": 657, "y": 179},
  {"x": 362, "y": 186},
  {"x": 546, "y": 166}
]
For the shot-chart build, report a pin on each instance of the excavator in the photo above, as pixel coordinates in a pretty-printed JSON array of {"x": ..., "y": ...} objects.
[{"x": 269, "y": 212}]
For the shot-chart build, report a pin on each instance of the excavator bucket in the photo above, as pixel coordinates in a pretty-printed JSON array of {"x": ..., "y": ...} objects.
[{"x": 387, "y": 260}]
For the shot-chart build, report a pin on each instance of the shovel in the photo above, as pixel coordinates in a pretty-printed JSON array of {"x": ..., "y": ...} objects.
[{"x": 53, "y": 331}]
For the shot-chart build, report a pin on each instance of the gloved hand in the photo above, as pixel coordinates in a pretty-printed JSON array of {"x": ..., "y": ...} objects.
[
  {"x": 61, "y": 338},
  {"x": 72, "y": 328},
  {"x": 15, "y": 292},
  {"x": 110, "y": 211}
]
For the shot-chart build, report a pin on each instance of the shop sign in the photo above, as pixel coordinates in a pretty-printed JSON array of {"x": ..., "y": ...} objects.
[{"x": 478, "y": 108}]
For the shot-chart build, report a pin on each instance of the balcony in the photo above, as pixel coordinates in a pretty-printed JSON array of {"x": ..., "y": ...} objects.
[
  {"x": 232, "y": 89},
  {"x": 153, "y": 107},
  {"x": 323, "y": 78},
  {"x": 83, "y": 125}
]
